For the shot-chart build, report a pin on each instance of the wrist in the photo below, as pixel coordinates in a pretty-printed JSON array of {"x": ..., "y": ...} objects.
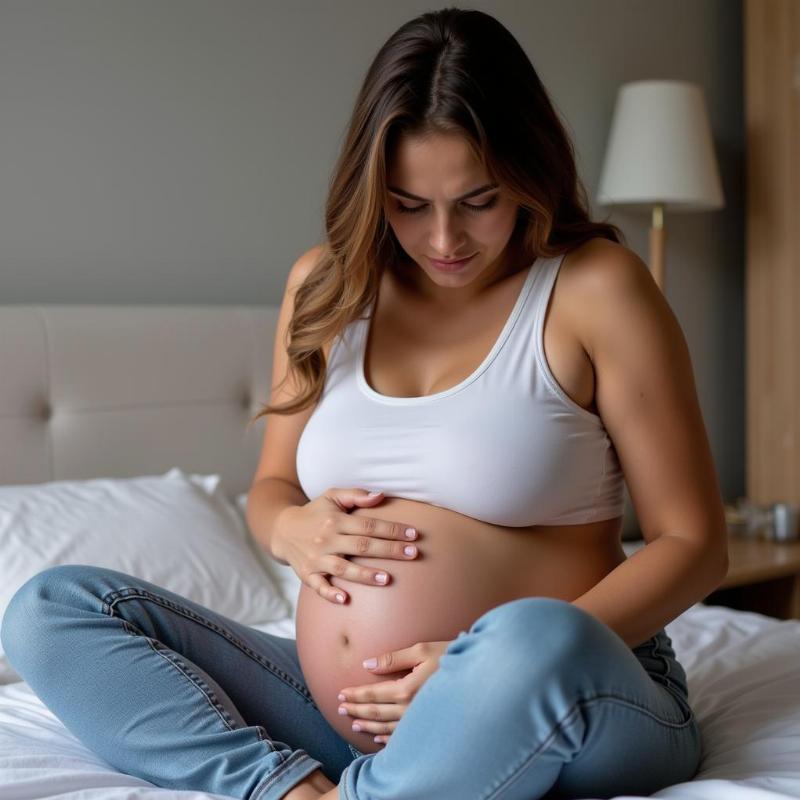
[{"x": 276, "y": 540}]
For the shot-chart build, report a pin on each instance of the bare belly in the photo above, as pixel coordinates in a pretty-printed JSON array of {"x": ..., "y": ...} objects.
[{"x": 464, "y": 568}]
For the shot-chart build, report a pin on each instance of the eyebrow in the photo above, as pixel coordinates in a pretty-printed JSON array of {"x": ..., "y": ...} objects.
[{"x": 479, "y": 190}]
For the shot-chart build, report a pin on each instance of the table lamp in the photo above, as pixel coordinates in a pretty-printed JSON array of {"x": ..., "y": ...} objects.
[{"x": 660, "y": 154}]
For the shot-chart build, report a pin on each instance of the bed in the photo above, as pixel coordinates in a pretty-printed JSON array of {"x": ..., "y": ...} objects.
[{"x": 105, "y": 411}]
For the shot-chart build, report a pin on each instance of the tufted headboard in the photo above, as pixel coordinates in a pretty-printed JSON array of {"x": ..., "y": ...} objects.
[{"x": 93, "y": 391}]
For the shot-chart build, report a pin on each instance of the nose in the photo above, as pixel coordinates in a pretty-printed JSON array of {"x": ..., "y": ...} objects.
[{"x": 446, "y": 236}]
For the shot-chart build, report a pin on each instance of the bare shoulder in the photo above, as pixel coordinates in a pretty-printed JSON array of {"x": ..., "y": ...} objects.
[
  {"x": 600, "y": 263},
  {"x": 300, "y": 270},
  {"x": 304, "y": 264},
  {"x": 606, "y": 284}
]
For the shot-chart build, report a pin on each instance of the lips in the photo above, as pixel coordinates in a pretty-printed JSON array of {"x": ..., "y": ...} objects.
[
  {"x": 451, "y": 266},
  {"x": 454, "y": 261}
]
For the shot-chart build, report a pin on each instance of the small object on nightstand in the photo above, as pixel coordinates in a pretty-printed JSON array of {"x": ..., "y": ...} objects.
[
  {"x": 785, "y": 522},
  {"x": 736, "y": 520},
  {"x": 749, "y": 519}
]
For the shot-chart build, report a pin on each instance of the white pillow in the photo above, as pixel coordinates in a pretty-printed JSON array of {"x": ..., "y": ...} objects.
[
  {"x": 282, "y": 574},
  {"x": 175, "y": 530}
]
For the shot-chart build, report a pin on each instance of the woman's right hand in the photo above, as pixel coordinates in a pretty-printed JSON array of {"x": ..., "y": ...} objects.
[{"x": 313, "y": 539}]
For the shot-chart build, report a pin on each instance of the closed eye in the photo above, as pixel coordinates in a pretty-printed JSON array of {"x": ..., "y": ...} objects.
[{"x": 471, "y": 206}]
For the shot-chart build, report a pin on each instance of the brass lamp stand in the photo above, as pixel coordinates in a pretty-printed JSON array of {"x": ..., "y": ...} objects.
[{"x": 657, "y": 246}]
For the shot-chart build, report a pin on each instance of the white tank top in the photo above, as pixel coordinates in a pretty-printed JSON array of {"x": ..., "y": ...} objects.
[{"x": 506, "y": 445}]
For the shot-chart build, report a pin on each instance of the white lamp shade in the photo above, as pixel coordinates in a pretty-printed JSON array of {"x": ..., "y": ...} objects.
[{"x": 660, "y": 149}]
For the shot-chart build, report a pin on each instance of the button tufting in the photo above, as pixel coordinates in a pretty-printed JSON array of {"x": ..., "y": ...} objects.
[{"x": 46, "y": 411}]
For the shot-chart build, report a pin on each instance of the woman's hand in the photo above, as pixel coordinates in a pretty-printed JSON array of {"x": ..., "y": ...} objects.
[
  {"x": 315, "y": 540},
  {"x": 377, "y": 707}
]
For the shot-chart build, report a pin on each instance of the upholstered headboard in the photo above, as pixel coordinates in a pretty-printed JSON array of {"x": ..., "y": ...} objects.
[{"x": 93, "y": 391}]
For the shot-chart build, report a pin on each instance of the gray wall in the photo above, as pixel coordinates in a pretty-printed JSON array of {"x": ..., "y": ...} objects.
[{"x": 179, "y": 152}]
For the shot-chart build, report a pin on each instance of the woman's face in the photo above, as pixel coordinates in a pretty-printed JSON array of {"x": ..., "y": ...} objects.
[{"x": 447, "y": 218}]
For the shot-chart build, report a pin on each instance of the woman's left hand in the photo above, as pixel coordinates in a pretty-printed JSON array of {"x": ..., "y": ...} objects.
[{"x": 377, "y": 707}]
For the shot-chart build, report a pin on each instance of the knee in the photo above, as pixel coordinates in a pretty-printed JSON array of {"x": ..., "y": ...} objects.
[
  {"x": 31, "y": 606},
  {"x": 535, "y": 630}
]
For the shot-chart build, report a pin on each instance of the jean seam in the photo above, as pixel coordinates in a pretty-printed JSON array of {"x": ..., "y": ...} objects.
[
  {"x": 565, "y": 720},
  {"x": 268, "y": 781},
  {"x": 343, "y": 782},
  {"x": 668, "y": 682},
  {"x": 111, "y": 598},
  {"x": 197, "y": 681},
  {"x": 660, "y": 654}
]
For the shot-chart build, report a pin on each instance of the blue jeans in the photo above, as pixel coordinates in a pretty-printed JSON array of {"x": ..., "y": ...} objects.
[{"x": 537, "y": 699}]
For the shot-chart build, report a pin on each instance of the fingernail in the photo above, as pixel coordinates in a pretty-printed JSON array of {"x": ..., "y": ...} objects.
[
  {"x": 411, "y": 533},
  {"x": 341, "y": 698},
  {"x": 381, "y": 577},
  {"x": 370, "y": 663},
  {"x": 372, "y": 494},
  {"x": 342, "y": 710}
]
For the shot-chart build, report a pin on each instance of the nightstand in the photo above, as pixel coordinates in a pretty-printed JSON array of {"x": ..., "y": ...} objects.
[{"x": 763, "y": 576}]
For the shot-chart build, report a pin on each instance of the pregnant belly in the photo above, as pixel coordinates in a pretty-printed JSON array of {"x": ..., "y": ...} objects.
[{"x": 464, "y": 568}]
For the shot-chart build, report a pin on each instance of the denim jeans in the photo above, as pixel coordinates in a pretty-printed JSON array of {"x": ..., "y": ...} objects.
[{"x": 537, "y": 699}]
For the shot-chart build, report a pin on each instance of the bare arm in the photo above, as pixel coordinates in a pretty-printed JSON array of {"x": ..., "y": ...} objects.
[{"x": 646, "y": 396}]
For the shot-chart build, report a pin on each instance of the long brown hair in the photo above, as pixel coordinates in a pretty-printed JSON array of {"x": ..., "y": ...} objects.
[{"x": 446, "y": 71}]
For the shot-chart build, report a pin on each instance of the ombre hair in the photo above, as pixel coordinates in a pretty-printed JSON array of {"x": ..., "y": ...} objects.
[{"x": 452, "y": 72}]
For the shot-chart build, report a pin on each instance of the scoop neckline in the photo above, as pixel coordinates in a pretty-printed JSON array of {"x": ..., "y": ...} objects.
[{"x": 427, "y": 398}]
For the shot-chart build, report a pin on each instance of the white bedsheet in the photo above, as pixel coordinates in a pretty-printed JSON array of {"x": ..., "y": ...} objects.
[{"x": 743, "y": 671}]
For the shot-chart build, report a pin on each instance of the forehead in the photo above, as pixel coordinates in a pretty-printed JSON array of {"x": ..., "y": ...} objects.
[{"x": 432, "y": 161}]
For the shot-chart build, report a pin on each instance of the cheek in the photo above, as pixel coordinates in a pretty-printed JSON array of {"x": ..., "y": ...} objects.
[
  {"x": 404, "y": 228},
  {"x": 493, "y": 227}
]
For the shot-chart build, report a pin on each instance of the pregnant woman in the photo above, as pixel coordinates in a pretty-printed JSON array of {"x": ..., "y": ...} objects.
[{"x": 471, "y": 368}]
